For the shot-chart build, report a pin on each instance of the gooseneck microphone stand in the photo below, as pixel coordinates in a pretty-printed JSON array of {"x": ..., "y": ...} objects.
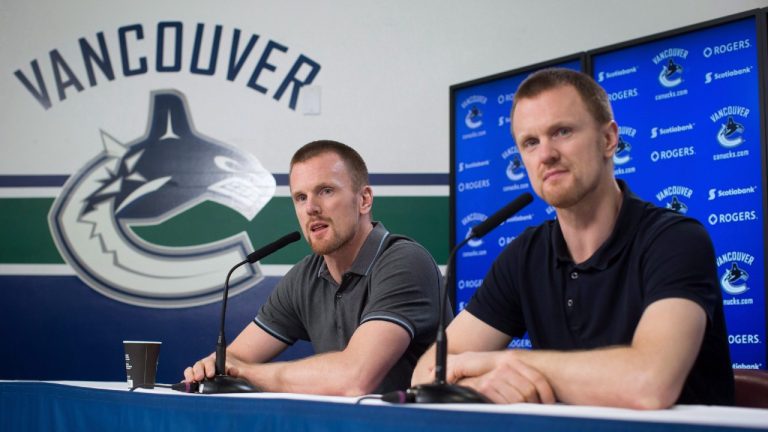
[
  {"x": 440, "y": 391},
  {"x": 221, "y": 382}
]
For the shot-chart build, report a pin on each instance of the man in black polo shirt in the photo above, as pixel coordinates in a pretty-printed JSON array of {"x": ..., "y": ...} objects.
[
  {"x": 366, "y": 299},
  {"x": 620, "y": 299}
]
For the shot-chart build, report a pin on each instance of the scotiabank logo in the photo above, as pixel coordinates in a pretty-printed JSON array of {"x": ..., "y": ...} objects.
[{"x": 715, "y": 193}]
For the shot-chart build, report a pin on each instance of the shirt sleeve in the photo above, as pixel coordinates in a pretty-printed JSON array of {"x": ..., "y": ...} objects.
[
  {"x": 680, "y": 263},
  {"x": 404, "y": 290},
  {"x": 279, "y": 315}
]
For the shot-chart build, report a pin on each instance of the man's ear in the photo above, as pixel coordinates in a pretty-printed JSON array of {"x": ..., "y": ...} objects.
[
  {"x": 366, "y": 199},
  {"x": 610, "y": 133}
]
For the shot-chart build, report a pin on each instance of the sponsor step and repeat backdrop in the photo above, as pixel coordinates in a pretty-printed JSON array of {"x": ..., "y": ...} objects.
[{"x": 689, "y": 104}]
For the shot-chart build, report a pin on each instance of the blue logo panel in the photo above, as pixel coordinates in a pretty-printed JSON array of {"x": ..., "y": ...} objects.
[{"x": 689, "y": 115}]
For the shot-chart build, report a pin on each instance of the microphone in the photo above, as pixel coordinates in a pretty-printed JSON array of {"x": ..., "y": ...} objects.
[
  {"x": 440, "y": 391},
  {"x": 221, "y": 382},
  {"x": 517, "y": 204},
  {"x": 271, "y": 248}
]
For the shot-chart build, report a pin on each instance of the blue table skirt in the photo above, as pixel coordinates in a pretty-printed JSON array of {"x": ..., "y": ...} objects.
[{"x": 39, "y": 406}]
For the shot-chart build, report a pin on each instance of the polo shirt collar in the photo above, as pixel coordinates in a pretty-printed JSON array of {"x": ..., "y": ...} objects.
[
  {"x": 365, "y": 258},
  {"x": 629, "y": 217}
]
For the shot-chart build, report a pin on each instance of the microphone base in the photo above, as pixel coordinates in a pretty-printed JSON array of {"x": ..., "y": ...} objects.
[
  {"x": 226, "y": 384},
  {"x": 446, "y": 393}
]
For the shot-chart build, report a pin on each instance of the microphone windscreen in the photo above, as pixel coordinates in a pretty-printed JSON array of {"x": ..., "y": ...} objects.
[
  {"x": 500, "y": 216},
  {"x": 273, "y": 247}
]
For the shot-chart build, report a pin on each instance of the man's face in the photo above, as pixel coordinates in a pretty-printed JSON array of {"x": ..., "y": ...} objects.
[
  {"x": 565, "y": 151},
  {"x": 329, "y": 209}
]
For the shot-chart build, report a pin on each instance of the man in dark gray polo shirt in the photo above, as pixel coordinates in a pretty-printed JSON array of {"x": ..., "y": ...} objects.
[{"x": 366, "y": 299}]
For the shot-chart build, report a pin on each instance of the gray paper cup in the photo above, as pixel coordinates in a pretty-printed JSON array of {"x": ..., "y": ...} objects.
[{"x": 141, "y": 363}]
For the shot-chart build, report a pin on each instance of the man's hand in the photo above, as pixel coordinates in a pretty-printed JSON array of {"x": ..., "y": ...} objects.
[
  {"x": 424, "y": 372},
  {"x": 251, "y": 347},
  {"x": 206, "y": 368},
  {"x": 202, "y": 368},
  {"x": 501, "y": 376}
]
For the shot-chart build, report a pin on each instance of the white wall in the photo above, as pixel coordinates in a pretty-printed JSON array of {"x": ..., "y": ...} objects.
[{"x": 386, "y": 69}]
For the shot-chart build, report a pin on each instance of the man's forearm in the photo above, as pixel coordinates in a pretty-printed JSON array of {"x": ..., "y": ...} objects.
[
  {"x": 648, "y": 374},
  {"x": 605, "y": 377},
  {"x": 328, "y": 374},
  {"x": 372, "y": 351}
]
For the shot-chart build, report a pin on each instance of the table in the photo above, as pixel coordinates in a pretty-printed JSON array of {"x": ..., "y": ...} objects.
[{"x": 99, "y": 406}]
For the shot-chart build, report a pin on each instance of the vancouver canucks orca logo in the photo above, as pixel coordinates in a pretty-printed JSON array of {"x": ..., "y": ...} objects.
[
  {"x": 622, "y": 152},
  {"x": 730, "y": 133},
  {"x": 169, "y": 170},
  {"x": 671, "y": 74},
  {"x": 677, "y": 206},
  {"x": 475, "y": 242},
  {"x": 734, "y": 280},
  {"x": 515, "y": 169},
  {"x": 469, "y": 221},
  {"x": 474, "y": 118}
]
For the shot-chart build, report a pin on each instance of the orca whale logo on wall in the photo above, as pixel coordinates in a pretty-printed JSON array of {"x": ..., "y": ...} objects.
[
  {"x": 169, "y": 170},
  {"x": 730, "y": 133},
  {"x": 622, "y": 154},
  {"x": 676, "y": 205},
  {"x": 671, "y": 197},
  {"x": 474, "y": 118},
  {"x": 733, "y": 274},
  {"x": 671, "y": 74},
  {"x": 734, "y": 280},
  {"x": 515, "y": 169}
]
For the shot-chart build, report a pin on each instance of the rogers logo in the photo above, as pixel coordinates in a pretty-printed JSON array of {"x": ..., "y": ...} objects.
[
  {"x": 740, "y": 216},
  {"x": 469, "y": 283}
]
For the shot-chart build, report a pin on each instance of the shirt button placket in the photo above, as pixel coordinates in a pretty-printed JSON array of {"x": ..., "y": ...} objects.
[
  {"x": 574, "y": 275},
  {"x": 571, "y": 294},
  {"x": 345, "y": 278},
  {"x": 339, "y": 319}
]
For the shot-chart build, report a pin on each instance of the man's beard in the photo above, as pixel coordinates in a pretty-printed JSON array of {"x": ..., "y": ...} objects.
[
  {"x": 336, "y": 242},
  {"x": 563, "y": 199},
  {"x": 566, "y": 195}
]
